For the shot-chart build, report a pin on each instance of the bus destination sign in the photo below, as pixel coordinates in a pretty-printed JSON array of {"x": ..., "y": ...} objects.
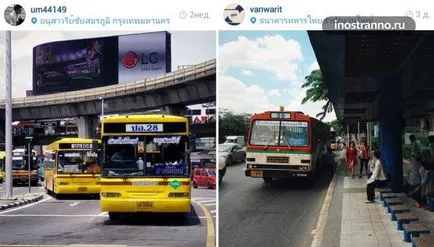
[{"x": 280, "y": 115}]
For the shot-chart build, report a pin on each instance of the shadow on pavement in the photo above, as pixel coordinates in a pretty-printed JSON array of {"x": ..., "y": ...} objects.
[
  {"x": 157, "y": 219},
  {"x": 76, "y": 197},
  {"x": 298, "y": 183}
]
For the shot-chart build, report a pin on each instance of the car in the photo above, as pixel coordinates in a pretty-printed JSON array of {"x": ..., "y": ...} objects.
[
  {"x": 204, "y": 177},
  {"x": 232, "y": 153},
  {"x": 222, "y": 168}
]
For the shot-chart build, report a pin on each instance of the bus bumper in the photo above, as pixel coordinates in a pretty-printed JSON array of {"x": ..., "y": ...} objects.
[
  {"x": 263, "y": 173},
  {"x": 139, "y": 205},
  {"x": 77, "y": 189}
]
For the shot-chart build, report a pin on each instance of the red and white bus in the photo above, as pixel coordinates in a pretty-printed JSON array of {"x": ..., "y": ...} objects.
[{"x": 285, "y": 144}]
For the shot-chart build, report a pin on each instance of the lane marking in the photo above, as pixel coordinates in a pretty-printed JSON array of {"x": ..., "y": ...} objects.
[
  {"x": 26, "y": 206},
  {"x": 74, "y": 204},
  {"x": 103, "y": 213},
  {"x": 318, "y": 232},
  {"x": 210, "y": 236},
  {"x": 51, "y": 215},
  {"x": 206, "y": 201},
  {"x": 209, "y": 204},
  {"x": 203, "y": 198},
  {"x": 213, "y": 211}
]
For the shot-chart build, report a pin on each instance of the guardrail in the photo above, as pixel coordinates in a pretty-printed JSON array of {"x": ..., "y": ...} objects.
[{"x": 193, "y": 72}]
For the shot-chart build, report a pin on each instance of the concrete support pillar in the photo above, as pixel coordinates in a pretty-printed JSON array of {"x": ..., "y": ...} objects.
[
  {"x": 87, "y": 126},
  {"x": 391, "y": 126},
  {"x": 178, "y": 110}
]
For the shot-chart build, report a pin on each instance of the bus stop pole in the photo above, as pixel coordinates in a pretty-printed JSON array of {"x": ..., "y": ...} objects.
[
  {"x": 8, "y": 118},
  {"x": 29, "y": 160}
]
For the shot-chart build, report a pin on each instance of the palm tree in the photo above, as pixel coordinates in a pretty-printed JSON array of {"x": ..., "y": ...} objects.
[{"x": 317, "y": 91}]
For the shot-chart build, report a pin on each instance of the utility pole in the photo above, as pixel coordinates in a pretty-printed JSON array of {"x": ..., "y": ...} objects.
[{"x": 8, "y": 118}]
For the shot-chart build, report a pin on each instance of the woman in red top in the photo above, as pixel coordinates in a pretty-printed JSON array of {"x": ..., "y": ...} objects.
[
  {"x": 364, "y": 159},
  {"x": 352, "y": 158}
]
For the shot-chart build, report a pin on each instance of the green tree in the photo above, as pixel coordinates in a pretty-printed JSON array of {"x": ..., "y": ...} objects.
[
  {"x": 232, "y": 124},
  {"x": 337, "y": 126},
  {"x": 317, "y": 91}
]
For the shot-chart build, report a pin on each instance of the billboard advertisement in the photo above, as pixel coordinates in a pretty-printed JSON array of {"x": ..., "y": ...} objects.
[
  {"x": 143, "y": 55},
  {"x": 88, "y": 63}
]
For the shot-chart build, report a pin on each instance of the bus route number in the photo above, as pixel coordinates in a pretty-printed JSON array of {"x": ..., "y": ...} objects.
[{"x": 144, "y": 128}]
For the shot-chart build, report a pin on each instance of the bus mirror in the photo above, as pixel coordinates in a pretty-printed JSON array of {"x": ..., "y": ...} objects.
[{"x": 94, "y": 146}]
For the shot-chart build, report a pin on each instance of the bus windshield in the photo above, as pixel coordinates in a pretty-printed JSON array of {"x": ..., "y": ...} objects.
[
  {"x": 145, "y": 156},
  {"x": 20, "y": 163},
  {"x": 78, "y": 162},
  {"x": 280, "y": 133}
]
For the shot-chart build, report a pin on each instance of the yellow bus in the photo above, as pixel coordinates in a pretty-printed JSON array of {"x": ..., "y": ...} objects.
[
  {"x": 2, "y": 165},
  {"x": 145, "y": 165},
  {"x": 71, "y": 167}
]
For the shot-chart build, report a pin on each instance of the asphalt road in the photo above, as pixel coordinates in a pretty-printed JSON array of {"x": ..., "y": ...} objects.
[
  {"x": 254, "y": 213},
  {"x": 78, "y": 220},
  {"x": 21, "y": 189}
]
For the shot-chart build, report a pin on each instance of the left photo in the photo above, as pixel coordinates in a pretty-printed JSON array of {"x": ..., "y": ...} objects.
[{"x": 108, "y": 138}]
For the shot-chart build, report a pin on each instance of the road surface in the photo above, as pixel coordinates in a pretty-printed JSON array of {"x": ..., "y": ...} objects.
[
  {"x": 78, "y": 220},
  {"x": 254, "y": 213}
]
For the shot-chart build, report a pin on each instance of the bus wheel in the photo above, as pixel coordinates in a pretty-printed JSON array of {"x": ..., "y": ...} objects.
[
  {"x": 114, "y": 215},
  {"x": 267, "y": 179}
]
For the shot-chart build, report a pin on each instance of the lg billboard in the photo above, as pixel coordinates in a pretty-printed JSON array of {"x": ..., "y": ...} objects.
[{"x": 88, "y": 63}]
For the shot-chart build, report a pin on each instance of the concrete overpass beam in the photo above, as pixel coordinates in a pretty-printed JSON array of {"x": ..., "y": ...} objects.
[
  {"x": 178, "y": 110},
  {"x": 87, "y": 126},
  {"x": 391, "y": 126}
]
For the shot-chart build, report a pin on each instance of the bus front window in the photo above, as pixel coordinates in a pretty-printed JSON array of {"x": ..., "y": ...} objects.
[
  {"x": 265, "y": 132},
  {"x": 19, "y": 163},
  {"x": 156, "y": 156},
  {"x": 294, "y": 134}
]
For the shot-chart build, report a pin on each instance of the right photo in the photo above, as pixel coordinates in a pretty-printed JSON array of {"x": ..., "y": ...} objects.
[
  {"x": 326, "y": 138},
  {"x": 275, "y": 123}
]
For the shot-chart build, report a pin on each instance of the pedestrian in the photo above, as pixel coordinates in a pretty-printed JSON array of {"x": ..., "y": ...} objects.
[
  {"x": 364, "y": 158},
  {"x": 414, "y": 176},
  {"x": 426, "y": 188},
  {"x": 415, "y": 147},
  {"x": 329, "y": 159},
  {"x": 351, "y": 158},
  {"x": 343, "y": 156},
  {"x": 377, "y": 180}
]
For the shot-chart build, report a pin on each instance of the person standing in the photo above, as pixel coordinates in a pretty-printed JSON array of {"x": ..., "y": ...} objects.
[
  {"x": 415, "y": 147},
  {"x": 351, "y": 158},
  {"x": 364, "y": 158},
  {"x": 377, "y": 180}
]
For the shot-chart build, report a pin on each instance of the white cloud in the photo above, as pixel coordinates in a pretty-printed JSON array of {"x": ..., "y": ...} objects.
[
  {"x": 247, "y": 72},
  {"x": 274, "y": 54},
  {"x": 314, "y": 66},
  {"x": 236, "y": 96},
  {"x": 274, "y": 92}
]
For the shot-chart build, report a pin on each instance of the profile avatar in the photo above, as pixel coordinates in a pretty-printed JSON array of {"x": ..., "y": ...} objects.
[
  {"x": 15, "y": 14},
  {"x": 234, "y": 14}
]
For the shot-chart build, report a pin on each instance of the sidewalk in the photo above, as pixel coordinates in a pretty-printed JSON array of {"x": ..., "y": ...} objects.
[
  {"x": 365, "y": 224},
  {"x": 20, "y": 200}
]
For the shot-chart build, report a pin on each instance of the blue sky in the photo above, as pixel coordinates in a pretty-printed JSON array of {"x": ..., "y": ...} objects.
[{"x": 261, "y": 70}]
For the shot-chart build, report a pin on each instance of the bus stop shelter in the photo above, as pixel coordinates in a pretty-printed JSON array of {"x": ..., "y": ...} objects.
[{"x": 387, "y": 77}]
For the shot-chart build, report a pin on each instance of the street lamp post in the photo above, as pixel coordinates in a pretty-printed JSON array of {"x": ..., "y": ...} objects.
[
  {"x": 8, "y": 117},
  {"x": 29, "y": 159}
]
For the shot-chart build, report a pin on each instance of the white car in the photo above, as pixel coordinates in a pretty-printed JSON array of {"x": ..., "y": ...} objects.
[{"x": 222, "y": 168}]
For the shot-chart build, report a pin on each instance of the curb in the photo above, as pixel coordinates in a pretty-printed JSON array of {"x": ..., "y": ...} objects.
[
  {"x": 22, "y": 201},
  {"x": 318, "y": 232}
]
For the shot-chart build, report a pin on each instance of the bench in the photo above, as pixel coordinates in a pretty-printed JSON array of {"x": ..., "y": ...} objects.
[
  {"x": 391, "y": 201},
  {"x": 423, "y": 241},
  {"x": 387, "y": 195},
  {"x": 405, "y": 218},
  {"x": 394, "y": 209},
  {"x": 384, "y": 190},
  {"x": 413, "y": 230}
]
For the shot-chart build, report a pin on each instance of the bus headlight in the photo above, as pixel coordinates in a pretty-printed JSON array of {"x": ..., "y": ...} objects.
[
  {"x": 179, "y": 194},
  {"x": 249, "y": 166},
  {"x": 110, "y": 194},
  {"x": 303, "y": 168}
]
